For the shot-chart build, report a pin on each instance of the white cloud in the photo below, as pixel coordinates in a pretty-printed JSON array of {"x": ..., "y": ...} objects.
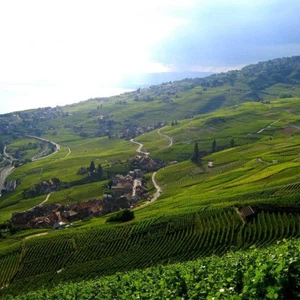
[{"x": 80, "y": 43}]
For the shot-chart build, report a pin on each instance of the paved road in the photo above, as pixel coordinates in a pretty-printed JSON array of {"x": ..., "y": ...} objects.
[
  {"x": 57, "y": 146},
  {"x": 6, "y": 171}
]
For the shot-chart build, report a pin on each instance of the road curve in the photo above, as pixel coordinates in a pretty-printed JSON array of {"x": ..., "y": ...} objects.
[
  {"x": 139, "y": 149},
  {"x": 6, "y": 171},
  {"x": 57, "y": 146},
  {"x": 166, "y": 136},
  {"x": 47, "y": 198},
  {"x": 158, "y": 188}
]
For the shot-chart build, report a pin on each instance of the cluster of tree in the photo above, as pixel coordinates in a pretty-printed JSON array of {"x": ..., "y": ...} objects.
[
  {"x": 122, "y": 216},
  {"x": 1, "y": 147},
  {"x": 98, "y": 172},
  {"x": 196, "y": 157},
  {"x": 174, "y": 123}
]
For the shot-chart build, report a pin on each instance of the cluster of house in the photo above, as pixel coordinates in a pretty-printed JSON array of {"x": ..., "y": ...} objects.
[
  {"x": 147, "y": 164},
  {"x": 135, "y": 130},
  {"x": 56, "y": 215},
  {"x": 44, "y": 187},
  {"x": 124, "y": 192}
]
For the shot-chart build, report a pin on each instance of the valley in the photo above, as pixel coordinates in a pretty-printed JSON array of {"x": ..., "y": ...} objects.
[{"x": 234, "y": 203}]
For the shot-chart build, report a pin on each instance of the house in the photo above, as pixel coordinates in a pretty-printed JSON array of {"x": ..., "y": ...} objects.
[
  {"x": 87, "y": 209},
  {"x": 247, "y": 213},
  {"x": 54, "y": 217},
  {"x": 70, "y": 215},
  {"x": 40, "y": 222},
  {"x": 121, "y": 189},
  {"x": 115, "y": 204},
  {"x": 20, "y": 220}
]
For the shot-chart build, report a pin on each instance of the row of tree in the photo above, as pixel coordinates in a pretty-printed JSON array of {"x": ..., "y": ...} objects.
[
  {"x": 196, "y": 157},
  {"x": 93, "y": 170}
]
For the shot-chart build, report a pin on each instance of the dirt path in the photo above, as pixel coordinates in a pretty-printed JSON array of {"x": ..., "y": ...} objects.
[
  {"x": 43, "y": 202},
  {"x": 169, "y": 138},
  {"x": 69, "y": 152},
  {"x": 157, "y": 187},
  {"x": 139, "y": 149},
  {"x": 263, "y": 129},
  {"x": 35, "y": 235}
]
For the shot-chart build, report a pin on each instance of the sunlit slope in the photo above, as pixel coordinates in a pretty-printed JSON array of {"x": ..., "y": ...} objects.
[
  {"x": 262, "y": 167},
  {"x": 245, "y": 124},
  {"x": 64, "y": 165}
]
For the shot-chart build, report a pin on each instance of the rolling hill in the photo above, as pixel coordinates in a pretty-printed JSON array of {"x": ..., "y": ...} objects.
[{"x": 251, "y": 117}]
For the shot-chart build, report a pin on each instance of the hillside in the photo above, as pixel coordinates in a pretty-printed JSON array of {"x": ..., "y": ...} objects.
[
  {"x": 230, "y": 277},
  {"x": 241, "y": 194}
]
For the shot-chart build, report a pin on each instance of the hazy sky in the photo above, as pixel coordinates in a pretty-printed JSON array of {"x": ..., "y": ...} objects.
[{"x": 60, "y": 51}]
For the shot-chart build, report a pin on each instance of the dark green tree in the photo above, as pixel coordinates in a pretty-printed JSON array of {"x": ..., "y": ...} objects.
[
  {"x": 1, "y": 147},
  {"x": 92, "y": 167},
  {"x": 232, "y": 143},
  {"x": 196, "y": 157},
  {"x": 214, "y": 146},
  {"x": 100, "y": 171}
]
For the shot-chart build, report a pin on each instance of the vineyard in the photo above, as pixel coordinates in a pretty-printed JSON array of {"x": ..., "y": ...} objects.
[
  {"x": 192, "y": 242},
  {"x": 159, "y": 240},
  {"x": 267, "y": 273}
]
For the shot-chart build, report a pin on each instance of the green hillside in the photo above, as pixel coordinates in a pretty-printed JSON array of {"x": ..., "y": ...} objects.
[
  {"x": 275, "y": 276},
  {"x": 246, "y": 124}
]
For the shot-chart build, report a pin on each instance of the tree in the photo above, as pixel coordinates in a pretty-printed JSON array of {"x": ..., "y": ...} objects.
[
  {"x": 232, "y": 143},
  {"x": 100, "y": 171},
  {"x": 92, "y": 167},
  {"x": 214, "y": 146},
  {"x": 195, "y": 158},
  {"x": 1, "y": 147}
]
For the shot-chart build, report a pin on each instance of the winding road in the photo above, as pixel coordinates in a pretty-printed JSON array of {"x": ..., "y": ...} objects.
[
  {"x": 157, "y": 187},
  {"x": 37, "y": 157},
  {"x": 6, "y": 171},
  {"x": 47, "y": 198},
  {"x": 139, "y": 149},
  {"x": 166, "y": 136}
]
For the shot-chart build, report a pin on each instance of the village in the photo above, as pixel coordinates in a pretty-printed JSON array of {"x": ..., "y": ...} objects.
[{"x": 122, "y": 192}]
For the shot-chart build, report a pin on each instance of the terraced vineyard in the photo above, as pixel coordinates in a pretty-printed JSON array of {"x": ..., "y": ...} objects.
[
  {"x": 268, "y": 273},
  {"x": 255, "y": 162},
  {"x": 162, "y": 240}
]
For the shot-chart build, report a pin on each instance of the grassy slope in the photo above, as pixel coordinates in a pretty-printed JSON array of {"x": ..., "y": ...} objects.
[
  {"x": 102, "y": 150},
  {"x": 245, "y": 174}
]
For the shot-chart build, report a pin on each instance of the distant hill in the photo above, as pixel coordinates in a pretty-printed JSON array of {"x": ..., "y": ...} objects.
[
  {"x": 135, "y": 81},
  {"x": 181, "y": 99}
]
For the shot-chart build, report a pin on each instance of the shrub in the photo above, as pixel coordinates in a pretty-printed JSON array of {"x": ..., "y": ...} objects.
[{"x": 122, "y": 216}]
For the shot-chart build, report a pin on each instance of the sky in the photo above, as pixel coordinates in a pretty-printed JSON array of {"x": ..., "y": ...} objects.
[{"x": 59, "y": 52}]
